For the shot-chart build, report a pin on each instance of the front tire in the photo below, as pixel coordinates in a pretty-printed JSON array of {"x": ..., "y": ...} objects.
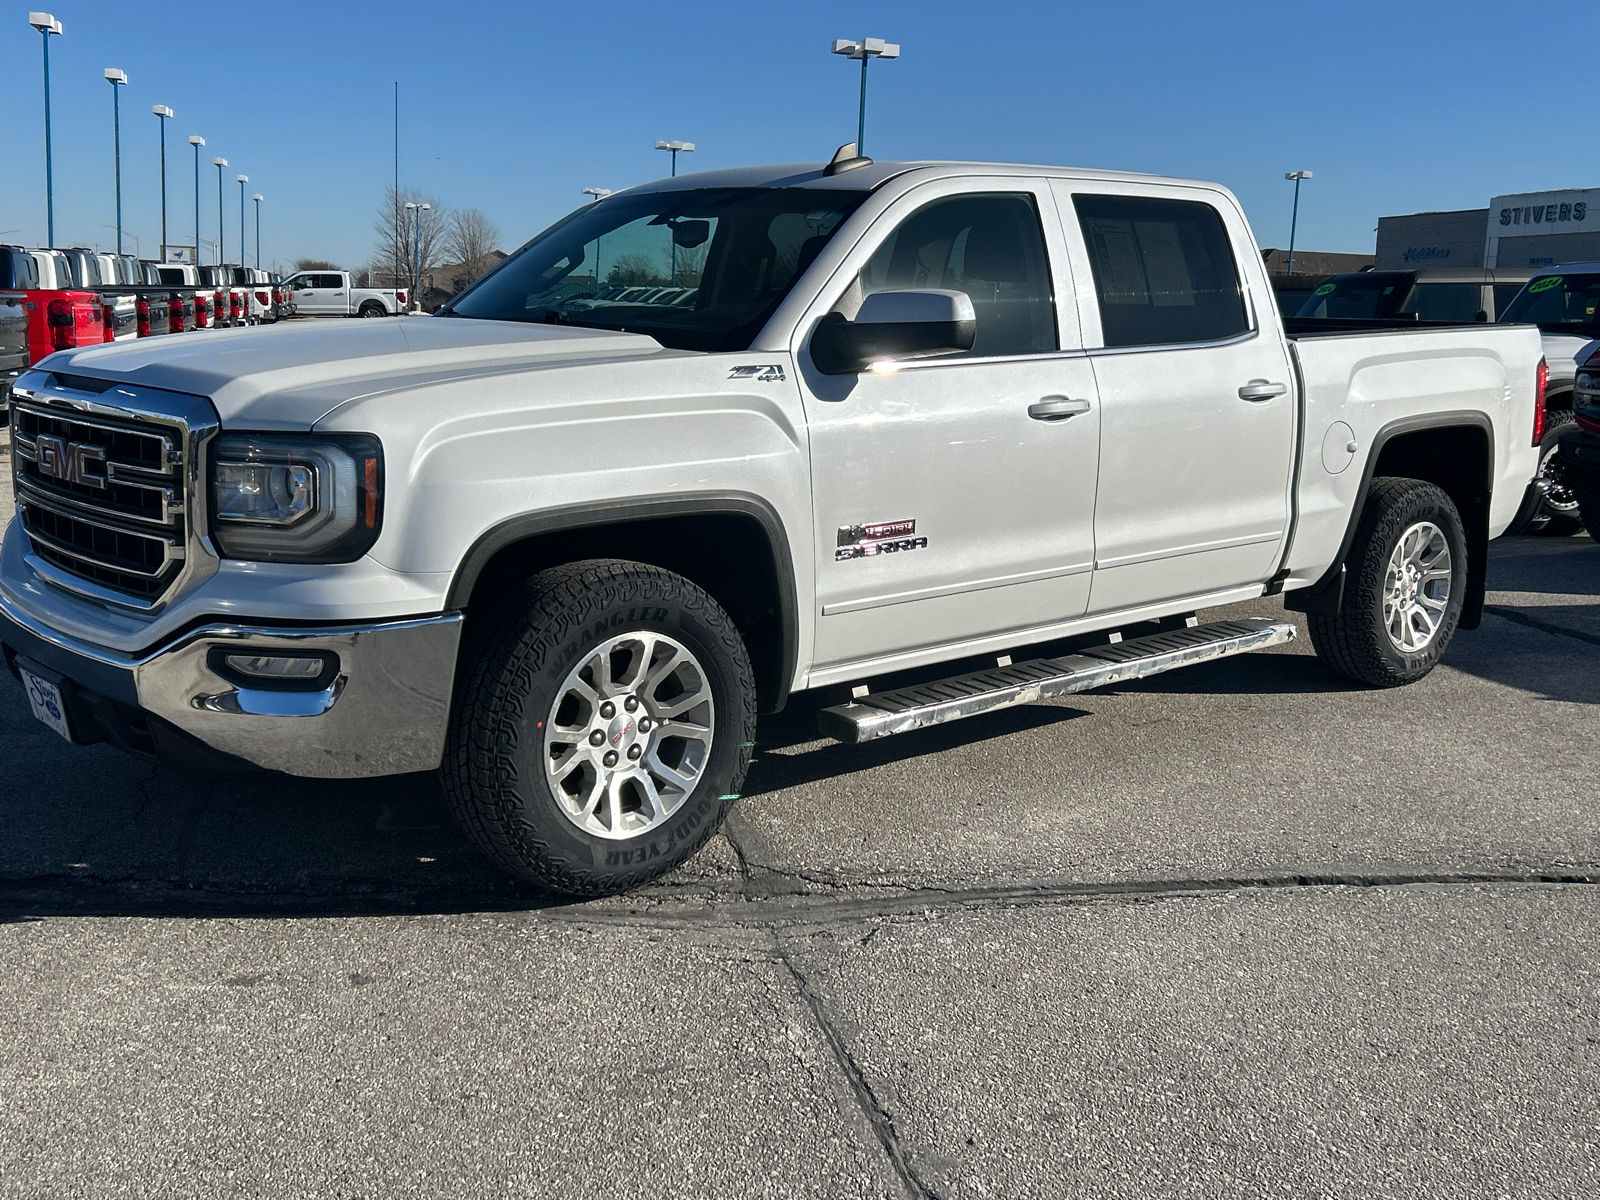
[
  {"x": 603, "y": 723},
  {"x": 1555, "y": 512},
  {"x": 1407, "y": 581}
]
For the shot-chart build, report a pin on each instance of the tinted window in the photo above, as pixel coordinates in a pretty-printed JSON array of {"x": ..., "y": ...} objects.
[
  {"x": 989, "y": 247},
  {"x": 1504, "y": 293},
  {"x": 334, "y": 282},
  {"x": 18, "y": 270},
  {"x": 1163, "y": 269},
  {"x": 171, "y": 275},
  {"x": 1557, "y": 300},
  {"x": 1365, "y": 294},
  {"x": 1445, "y": 301},
  {"x": 698, "y": 269}
]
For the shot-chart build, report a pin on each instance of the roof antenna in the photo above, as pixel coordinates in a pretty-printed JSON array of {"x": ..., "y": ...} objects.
[{"x": 844, "y": 159}]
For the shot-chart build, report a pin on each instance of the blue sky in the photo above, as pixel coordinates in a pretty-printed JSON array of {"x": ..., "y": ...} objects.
[{"x": 513, "y": 108}]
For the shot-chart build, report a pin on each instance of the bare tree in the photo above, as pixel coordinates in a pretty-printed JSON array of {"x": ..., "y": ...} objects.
[
  {"x": 471, "y": 240},
  {"x": 409, "y": 241},
  {"x": 314, "y": 264}
]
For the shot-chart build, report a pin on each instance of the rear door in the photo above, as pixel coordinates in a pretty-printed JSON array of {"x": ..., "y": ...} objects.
[
  {"x": 1196, "y": 392},
  {"x": 946, "y": 511}
]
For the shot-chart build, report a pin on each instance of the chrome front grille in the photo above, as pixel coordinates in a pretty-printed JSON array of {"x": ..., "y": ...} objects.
[{"x": 106, "y": 493}]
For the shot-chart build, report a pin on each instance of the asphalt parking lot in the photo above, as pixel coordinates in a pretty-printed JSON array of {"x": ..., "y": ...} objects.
[{"x": 1240, "y": 930}]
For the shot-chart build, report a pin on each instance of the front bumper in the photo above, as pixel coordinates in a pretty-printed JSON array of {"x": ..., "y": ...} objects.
[
  {"x": 1581, "y": 448},
  {"x": 384, "y": 713}
]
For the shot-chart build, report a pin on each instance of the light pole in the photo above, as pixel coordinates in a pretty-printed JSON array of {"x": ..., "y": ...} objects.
[
  {"x": 1294, "y": 220},
  {"x": 416, "y": 269},
  {"x": 258, "y": 198},
  {"x": 219, "y": 163},
  {"x": 599, "y": 194},
  {"x": 117, "y": 79},
  {"x": 866, "y": 50},
  {"x": 411, "y": 211},
  {"x": 196, "y": 141},
  {"x": 243, "y": 179},
  {"x": 162, "y": 113},
  {"x": 675, "y": 147},
  {"x": 47, "y": 25}
]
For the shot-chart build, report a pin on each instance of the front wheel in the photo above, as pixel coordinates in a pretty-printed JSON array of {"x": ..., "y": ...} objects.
[
  {"x": 1407, "y": 580},
  {"x": 603, "y": 722}
]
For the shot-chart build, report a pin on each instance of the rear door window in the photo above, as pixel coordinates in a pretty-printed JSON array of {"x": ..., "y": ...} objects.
[
  {"x": 1164, "y": 270},
  {"x": 1445, "y": 301}
]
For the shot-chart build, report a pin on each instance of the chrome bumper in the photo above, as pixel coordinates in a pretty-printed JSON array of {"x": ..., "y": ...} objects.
[{"x": 384, "y": 713}]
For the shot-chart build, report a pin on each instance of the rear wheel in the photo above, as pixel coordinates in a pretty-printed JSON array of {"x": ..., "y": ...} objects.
[
  {"x": 1555, "y": 513},
  {"x": 1407, "y": 577},
  {"x": 373, "y": 309},
  {"x": 603, "y": 724}
]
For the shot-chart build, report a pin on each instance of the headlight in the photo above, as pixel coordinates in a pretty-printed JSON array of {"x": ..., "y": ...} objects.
[
  {"x": 1585, "y": 382},
  {"x": 296, "y": 498}
]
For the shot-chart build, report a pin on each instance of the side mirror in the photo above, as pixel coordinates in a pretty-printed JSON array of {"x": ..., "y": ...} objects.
[{"x": 908, "y": 323}]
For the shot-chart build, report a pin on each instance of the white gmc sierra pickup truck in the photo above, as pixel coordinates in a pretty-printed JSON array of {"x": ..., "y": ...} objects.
[{"x": 941, "y": 436}]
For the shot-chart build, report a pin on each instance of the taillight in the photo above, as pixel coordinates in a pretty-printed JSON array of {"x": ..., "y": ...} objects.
[
  {"x": 261, "y": 298},
  {"x": 144, "y": 318},
  {"x": 63, "y": 332},
  {"x": 1541, "y": 386},
  {"x": 202, "y": 311},
  {"x": 108, "y": 320}
]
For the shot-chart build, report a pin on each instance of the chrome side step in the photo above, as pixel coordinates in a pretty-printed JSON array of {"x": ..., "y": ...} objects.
[{"x": 887, "y": 713}]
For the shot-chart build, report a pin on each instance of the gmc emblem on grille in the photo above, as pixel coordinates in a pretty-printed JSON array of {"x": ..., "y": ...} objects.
[{"x": 68, "y": 461}]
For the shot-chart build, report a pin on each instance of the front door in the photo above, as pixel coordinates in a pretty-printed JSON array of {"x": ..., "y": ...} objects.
[
  {"x": 1196, "y": 392},
  {"x": 954, "y": 497}
]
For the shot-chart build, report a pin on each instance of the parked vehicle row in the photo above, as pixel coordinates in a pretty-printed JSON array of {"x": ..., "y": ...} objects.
[{"x": 79, "y": 297}]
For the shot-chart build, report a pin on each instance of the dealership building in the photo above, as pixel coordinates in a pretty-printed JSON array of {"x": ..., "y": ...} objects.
[{"x": 1534, "y": 229}]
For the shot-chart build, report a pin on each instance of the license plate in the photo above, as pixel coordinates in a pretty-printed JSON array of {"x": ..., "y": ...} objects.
[{"x": 45, "y": 697}]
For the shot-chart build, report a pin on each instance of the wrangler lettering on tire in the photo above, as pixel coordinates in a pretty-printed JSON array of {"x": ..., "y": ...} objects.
[{"x": 604, "y": 715}]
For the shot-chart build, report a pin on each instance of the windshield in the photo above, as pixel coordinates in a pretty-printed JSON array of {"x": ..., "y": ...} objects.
[
  {"x": 1368, "y": 294},
  {"x": 1556, "y": 302},
  {"x": 696, "y": 270}
]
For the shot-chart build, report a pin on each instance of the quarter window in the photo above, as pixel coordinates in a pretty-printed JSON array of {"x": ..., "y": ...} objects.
[
  {"x": 1163, "y": 270},
  {"x": 988, "y": 246}
]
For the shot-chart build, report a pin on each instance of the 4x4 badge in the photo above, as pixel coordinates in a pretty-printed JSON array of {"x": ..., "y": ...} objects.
[{"x": 765, "y": 373}]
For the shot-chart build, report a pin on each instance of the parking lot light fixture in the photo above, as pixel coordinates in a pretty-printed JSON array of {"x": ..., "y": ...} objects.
[
  {"x": 243, "y": 179},
  {"x": 117, "y": 79},
  {"x": 1294, "y": 219},
  {"x": 675, "y": 147},
  {"x": 258, "y": 198},
  {"x": 163, "y": 114},
  {"x": 219, "y": 163},
  {"x": 47, "y": 25},
  {"x": 866, "y": 50},
  {"x": 196, "y": 141}
]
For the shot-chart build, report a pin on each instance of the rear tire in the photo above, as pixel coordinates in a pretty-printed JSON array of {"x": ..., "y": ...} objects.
[
  {"x": 1555, "y": 514},
  {"x": 1405, "y": 586},
  {"x": 373, "y": 309},
  {"x": 603, "y": 722}
]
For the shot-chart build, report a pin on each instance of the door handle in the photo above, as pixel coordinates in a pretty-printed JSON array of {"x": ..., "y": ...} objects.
[
  {"x": 1259, "y": 389},
  {"x": 1057, "y": 408}
]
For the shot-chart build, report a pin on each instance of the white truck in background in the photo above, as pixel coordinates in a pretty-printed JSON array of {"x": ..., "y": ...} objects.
[
  {"x": 1004, "y": 428},
  {"x": 331, "y": 294}
]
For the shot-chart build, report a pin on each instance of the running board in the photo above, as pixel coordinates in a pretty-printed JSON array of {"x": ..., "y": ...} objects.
[{"x": 887, "y": 713}]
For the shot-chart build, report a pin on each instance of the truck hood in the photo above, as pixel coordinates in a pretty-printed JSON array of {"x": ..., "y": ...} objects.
[{"x": 288, "y": 378}]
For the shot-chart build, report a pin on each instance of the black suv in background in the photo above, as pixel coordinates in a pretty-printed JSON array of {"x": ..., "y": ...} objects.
[{"x": 1580, "y": 445}]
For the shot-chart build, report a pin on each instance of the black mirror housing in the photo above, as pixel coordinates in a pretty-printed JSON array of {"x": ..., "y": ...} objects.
[{"x": 895, "y": 325}]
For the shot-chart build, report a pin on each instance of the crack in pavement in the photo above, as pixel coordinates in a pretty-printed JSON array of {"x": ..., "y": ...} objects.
[
  {"x": 877, "y": 1116},
  {"x": 1522, "y": 618},
  {"x": 89, "y": 895}
]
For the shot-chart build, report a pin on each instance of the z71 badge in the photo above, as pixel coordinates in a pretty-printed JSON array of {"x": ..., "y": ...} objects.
[
  {"x": 879, "y": 537},
  {"x": 764, "y": 373}
]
